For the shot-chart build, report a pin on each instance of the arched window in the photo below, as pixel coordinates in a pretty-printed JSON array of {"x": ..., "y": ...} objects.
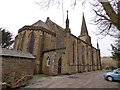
[
  {"x": 83, "y": 60},
  {"x": 73, "y": 52},
  {"x": 87, "y": 54},
  {"x": 31, "y": 44},
  {"x": 89, "y": 57},
  {"x": 48, "y": 61},
  {"x": 92, "y": 58},
  {"x": 97, "y": 60}
]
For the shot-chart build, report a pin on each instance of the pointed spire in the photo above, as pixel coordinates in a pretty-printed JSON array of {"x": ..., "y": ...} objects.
[
  {"x": 84, "y": 30},
  {"x": 97, "y": 44},
  {"x": 67, "y": 23}
]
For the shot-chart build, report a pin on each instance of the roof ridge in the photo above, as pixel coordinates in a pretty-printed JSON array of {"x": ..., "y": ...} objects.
[{"x": 53, "y": 23}]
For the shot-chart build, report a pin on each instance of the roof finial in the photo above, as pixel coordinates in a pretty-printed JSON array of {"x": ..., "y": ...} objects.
[
  {"x": 97, "y": 44},
  {"x": 48, "y": 18},
  {"x": 67, "y": 13},
  {"x": 67, "y": 23}
]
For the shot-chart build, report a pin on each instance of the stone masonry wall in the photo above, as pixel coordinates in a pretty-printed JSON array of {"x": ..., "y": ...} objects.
[{"x": 15, "y": 68}]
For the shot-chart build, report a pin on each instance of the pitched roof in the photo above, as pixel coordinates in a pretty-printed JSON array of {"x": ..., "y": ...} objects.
[
  {"x": 84, "y": 30},
  {"x": 37, "y": 28},
  {"x": 40, "y": 24},
  {"x": 53, "y": 26},
  {"x": 15, "y": 53}
]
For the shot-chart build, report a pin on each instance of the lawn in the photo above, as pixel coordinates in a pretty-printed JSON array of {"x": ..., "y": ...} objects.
[{"x": 40, "y": 76}]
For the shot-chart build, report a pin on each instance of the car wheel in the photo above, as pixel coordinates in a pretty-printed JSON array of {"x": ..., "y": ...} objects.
[{"x": 109, "y": 78}]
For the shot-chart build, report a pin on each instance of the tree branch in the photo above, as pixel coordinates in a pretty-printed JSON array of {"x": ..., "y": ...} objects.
[{"x": 111, "y": 13}]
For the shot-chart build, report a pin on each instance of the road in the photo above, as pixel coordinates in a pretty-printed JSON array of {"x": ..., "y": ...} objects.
[{"x": 92, "y": 79}]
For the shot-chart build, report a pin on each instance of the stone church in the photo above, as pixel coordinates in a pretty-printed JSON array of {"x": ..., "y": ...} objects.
[{"x": 57, "y": 51}]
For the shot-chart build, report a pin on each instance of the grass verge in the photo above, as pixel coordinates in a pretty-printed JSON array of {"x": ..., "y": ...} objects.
[{"x": 40, "y": 76}]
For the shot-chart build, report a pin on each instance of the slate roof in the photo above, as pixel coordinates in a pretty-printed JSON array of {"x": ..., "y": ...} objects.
[
  {"x": 15, "y": 53},
  {"x": 36, "y": 28},
  {"x": 49, "y": 27},
  {"x": 40, "y": 23}
]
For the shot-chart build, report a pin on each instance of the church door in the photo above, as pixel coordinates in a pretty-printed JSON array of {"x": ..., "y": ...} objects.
[{"x": 59, "y": 66}]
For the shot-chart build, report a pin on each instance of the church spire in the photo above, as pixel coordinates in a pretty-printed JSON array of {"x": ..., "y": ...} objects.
[
  {"x": 67, "y": 24},
  {"x": 84, "y": 30}
]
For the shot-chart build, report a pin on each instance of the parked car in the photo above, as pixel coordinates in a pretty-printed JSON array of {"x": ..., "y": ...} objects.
[{"x": 115, "y": 75}]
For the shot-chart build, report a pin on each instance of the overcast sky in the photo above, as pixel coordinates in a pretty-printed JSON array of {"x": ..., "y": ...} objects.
[{"x": 17, "y": 13}]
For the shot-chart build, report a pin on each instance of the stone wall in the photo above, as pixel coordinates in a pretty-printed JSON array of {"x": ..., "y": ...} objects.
[
  {"x": 54, "y": 56},
  {"x": 43, "y": 41},
  {"x": 75, "y": 62},
  {"x": 60, "y": 33},
  {"x": 14, "y": 68}
]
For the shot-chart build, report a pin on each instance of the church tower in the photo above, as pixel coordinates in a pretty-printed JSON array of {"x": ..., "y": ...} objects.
[{"x": 84, "y": 32}]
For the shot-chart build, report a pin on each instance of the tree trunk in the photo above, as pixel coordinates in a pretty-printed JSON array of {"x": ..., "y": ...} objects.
[
  {"x": 114, "y": 18},
  {"x": 119, "y": 14}
]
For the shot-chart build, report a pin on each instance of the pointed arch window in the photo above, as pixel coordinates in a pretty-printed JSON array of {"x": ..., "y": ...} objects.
[
  {"x": 92, "y": 57},
  {"x": 48, "y": 61},
  {"x": 83, "y": 60},
  {"x": 97, "y": 60},
  {"x": 31, "y": 44},
  {"x": 87, "y": 54},
  {"x": 89, "y": 57},
  {"x": 73, "y": 52}
]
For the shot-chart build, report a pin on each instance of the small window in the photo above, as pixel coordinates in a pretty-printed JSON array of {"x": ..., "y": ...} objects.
[{"x": 48, "y": 61}]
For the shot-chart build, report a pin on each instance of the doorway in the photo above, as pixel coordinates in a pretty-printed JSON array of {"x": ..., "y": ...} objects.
[{"x": 59, "y": 66}]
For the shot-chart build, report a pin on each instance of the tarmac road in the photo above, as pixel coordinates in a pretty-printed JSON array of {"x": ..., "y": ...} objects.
[{"x": 92, "y": 79}]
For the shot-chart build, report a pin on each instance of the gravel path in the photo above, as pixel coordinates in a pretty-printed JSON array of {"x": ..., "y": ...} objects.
[{"x": 92, "y": 79}]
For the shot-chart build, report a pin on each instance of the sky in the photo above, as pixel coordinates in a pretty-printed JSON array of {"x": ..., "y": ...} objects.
[{"x": 17, "y": 13}]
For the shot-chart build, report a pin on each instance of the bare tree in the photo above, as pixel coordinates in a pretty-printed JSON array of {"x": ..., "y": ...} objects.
[
  {"x": 107, "y": 13},
  {"x": 47, "y": 3},
  {"x": 107, "y": 17}
]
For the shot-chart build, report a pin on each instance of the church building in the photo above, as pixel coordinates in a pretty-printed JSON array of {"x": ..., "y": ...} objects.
[{"x": 57, "y": 51}]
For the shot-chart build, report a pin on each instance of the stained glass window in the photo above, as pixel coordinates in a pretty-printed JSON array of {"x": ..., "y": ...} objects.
[
  {"x": 73, "y": 52},
  {"x": 31, "y": 44},
  {"x": 83, "y": 61}
]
